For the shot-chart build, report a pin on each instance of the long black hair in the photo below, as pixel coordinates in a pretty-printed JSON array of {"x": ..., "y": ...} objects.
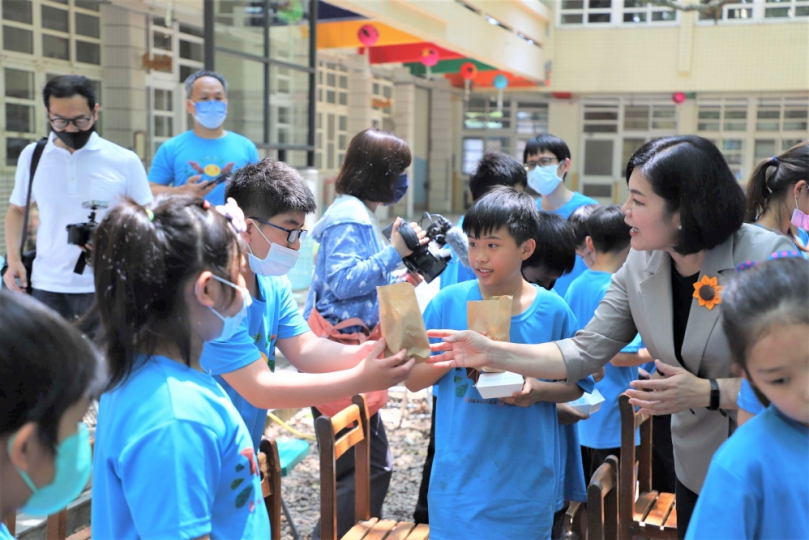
[
  {"x": 772, "y": 293},
  {"x": 772, "y": 178},
  {"x": 142, "y": 259},
  {"x": 46, "y": 366}
]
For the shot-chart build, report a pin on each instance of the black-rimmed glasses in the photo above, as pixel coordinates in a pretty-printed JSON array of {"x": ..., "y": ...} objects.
[
  {"x": 541, "y": 162},
  {"x": 293, "y": 235},
  {"x": 81, "y": 122}
]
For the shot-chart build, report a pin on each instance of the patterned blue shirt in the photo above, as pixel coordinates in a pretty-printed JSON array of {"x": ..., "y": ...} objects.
[{"x": 352, "y": 261}]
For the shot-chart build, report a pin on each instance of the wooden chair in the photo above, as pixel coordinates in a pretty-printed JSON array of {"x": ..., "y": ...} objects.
[
  {"x": 270, "y": 466},
  {"x": 331, "y": 448},
  {"x": 602, "y": 502},
  {"x": 653, "y": 514}
]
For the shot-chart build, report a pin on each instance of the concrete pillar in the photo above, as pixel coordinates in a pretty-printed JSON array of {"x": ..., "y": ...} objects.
[
  {"x": 360, "y": 94},
  {"x": 124, "y": 83},
  {"x": 404, "y": 120},
  {"x": 439, "y": 194}
]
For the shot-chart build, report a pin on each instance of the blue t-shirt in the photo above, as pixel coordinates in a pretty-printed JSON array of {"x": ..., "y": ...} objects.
[
  {"x": 758, "y": 483},
  {"x": 747, "y": 399},
  {"x": 494, "y": 472},
  {"x": 572, "y": 485},
  {"x": 173, "y": 459},
  {"x": 564, "y": 211},
  {"x": 4, "y": 534},
  {"x": 455, "y": 272},
  {"x": 188, "y": 155},
  {"x": 271, "y": 317},
  {"x": 603, "y": 429}
]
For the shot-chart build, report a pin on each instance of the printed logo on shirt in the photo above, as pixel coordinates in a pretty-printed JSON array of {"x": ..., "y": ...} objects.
[
  {"x": 210, "y": 167},
  {"x": 246, "y": 493},
  {"x": 270, "y": 362}
]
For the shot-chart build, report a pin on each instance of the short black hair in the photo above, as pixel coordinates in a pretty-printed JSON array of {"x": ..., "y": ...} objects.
[
  {"x": 556, "y": 246},
  {"x": 46, "y": 366},
  {"x": 496, "y": 169},
  {"x": 578, "y": 221},
  {"x": 692, "y": 176},
  {"x": 375, "y": 159},
  {"x": 772, "y": 293},
  {"x": 608, "y": 230},
  {"x": 546, "y": 142},
  {"x": 67, "y": 86},
  {"x": 268, "y": 188},
  {"x": 503, "y": 207}
]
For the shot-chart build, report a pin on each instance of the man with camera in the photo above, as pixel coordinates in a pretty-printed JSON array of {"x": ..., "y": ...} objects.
[
  {"x": 199, "y": 161},
  {"x": 77, "y": 177}
]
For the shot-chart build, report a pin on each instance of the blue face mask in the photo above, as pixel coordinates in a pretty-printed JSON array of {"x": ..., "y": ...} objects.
[
  {"x": 231, "y": 324},
  {"x": 399, "y": 189},
  {"x": 73, "y": 464},
  {"x": 211, "y": 114},
  {"x": 544, "y": 180}
]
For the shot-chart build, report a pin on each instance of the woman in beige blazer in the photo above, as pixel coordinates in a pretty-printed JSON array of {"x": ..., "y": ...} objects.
[{"x": 686, "y": 212}]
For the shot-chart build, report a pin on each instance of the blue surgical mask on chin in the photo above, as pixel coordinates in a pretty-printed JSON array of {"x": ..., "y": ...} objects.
[
  {"x": 544, "y": 180},
  {"x": 399, "y": 189},
  {"x": 211, "y": 114},
  {"x": 231, "y": 324},
  {"x": 73, "y": 464}
]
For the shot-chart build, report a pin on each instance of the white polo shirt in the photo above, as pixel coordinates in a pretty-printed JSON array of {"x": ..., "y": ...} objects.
[{"x": 100, "y": 171}]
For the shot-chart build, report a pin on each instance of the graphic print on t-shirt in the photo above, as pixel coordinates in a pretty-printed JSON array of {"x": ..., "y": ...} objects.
[
  {"x": 246, "y": 493},
  {"x": 212, "y": 168}
]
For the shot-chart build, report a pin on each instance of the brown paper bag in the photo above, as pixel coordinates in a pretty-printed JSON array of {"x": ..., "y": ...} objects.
[
  {"x": 491, "y": 317},
  {"x": 401, "y": 321}
]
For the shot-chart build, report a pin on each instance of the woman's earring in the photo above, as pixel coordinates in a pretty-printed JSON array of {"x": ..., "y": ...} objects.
[{"x": 679, "y": 227}]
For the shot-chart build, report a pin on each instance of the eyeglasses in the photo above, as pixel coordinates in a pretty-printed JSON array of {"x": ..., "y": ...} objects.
[
  {"x": 542, "y": 162},
  {"x": 81, "y": 122},
  {"x": 293, "y": 235}
]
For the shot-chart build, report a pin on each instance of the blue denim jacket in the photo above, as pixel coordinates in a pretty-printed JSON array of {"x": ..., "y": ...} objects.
[{"x": 352, "y": 261}]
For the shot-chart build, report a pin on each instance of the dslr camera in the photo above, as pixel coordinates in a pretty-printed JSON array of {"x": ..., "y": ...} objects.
[
  {"x": 81, "y": 234},
  {"x": 430, "y": 259}
]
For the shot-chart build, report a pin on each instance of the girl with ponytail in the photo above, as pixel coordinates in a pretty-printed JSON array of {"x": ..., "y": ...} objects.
[{"x": 778, "y": 195}]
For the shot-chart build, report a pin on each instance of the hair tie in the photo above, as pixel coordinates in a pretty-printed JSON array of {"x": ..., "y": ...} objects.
[
  {"x": 783, "y": 254},
  {"x": 149, "y": 214},
  {"x": 206, "y": 204},
  {"x": 774, "y": 160}
]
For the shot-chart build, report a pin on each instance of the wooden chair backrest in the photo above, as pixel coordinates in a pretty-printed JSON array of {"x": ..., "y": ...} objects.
[
  {"x": 630, "y": 420},
  {"x": 270, "y": 466},
  {"x": 602, "y": 502},
  {"x": 355, "y": 417}
]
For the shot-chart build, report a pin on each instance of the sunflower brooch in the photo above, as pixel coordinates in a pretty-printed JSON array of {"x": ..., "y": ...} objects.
[{"x": 708, "y": 292}]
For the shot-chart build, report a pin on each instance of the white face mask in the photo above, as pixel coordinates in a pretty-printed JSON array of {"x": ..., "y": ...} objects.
[
  {"x": 231, "y": 324},
  {"x": 278, "y": 262},
  {"x": 544, "y": 180}
]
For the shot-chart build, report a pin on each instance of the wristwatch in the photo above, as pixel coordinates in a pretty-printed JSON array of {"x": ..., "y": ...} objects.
[{"x": 714, "y": 395}]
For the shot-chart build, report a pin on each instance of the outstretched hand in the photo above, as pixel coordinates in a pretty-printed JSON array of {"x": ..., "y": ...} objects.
[{"x": 466, "y": 349}]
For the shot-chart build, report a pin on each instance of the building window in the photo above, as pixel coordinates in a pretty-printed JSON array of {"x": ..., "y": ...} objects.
[
  {"x": 472, "y": 153},
  {"x": 606, "y": 12},
  {"x": 332, "y": 124},
  {"x": 758, "y": 10}
]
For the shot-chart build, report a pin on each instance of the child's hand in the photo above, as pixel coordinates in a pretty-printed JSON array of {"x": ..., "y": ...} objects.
[
  {"x": 460, "y": 349},
  {"x": 530, "y": 394},
  {"x": 567, "y": 415},
  {"x": 381, "y": 373}
]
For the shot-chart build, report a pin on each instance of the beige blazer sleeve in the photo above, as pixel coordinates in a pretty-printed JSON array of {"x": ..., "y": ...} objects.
[{"x": 640, "y": 299}]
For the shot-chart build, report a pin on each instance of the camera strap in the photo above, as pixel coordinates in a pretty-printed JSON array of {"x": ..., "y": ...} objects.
[{"x": 38, "y": 149}]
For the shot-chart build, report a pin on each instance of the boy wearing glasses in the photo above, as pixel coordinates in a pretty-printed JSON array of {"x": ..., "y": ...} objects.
[
  {"x": 275, "y": 201},
  {"x": 547, "y": 160},
  {"x": 76, "y": 166}
]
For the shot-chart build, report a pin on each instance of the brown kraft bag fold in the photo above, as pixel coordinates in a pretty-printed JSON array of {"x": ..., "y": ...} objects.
[
  {"x": 401, "y": 321},
  {"x": 491, "y": 317}
]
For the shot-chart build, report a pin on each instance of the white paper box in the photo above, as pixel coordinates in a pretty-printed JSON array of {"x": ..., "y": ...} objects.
[
  {"x": 499, "y": 385},
  {"x": 588, "y": 403}
]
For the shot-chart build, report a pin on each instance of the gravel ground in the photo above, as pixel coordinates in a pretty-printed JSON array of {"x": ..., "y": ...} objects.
[{"x": 408, "y": 444}]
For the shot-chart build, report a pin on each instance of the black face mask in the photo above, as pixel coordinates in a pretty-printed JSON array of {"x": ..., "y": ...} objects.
[{"x": 75, "y": 139}]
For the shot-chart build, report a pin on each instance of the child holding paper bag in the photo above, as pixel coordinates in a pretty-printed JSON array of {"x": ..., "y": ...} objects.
[
  {"x": 401, "y": 322},
  {"x": 495, "y": 467}
]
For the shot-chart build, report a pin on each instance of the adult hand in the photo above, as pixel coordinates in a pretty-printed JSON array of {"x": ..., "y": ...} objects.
[
  {"x": 566, "y": 415},
  {"x": 675, "y": 390},
  {"x": 195, "y": 187},
  {"x": 381, "y": 373},
  {"x": 397, "y": 241},
  {"x": 460, "y": 349},
  {"x": 16, "y": 270},
  {"x": 530, "y": 394}
]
